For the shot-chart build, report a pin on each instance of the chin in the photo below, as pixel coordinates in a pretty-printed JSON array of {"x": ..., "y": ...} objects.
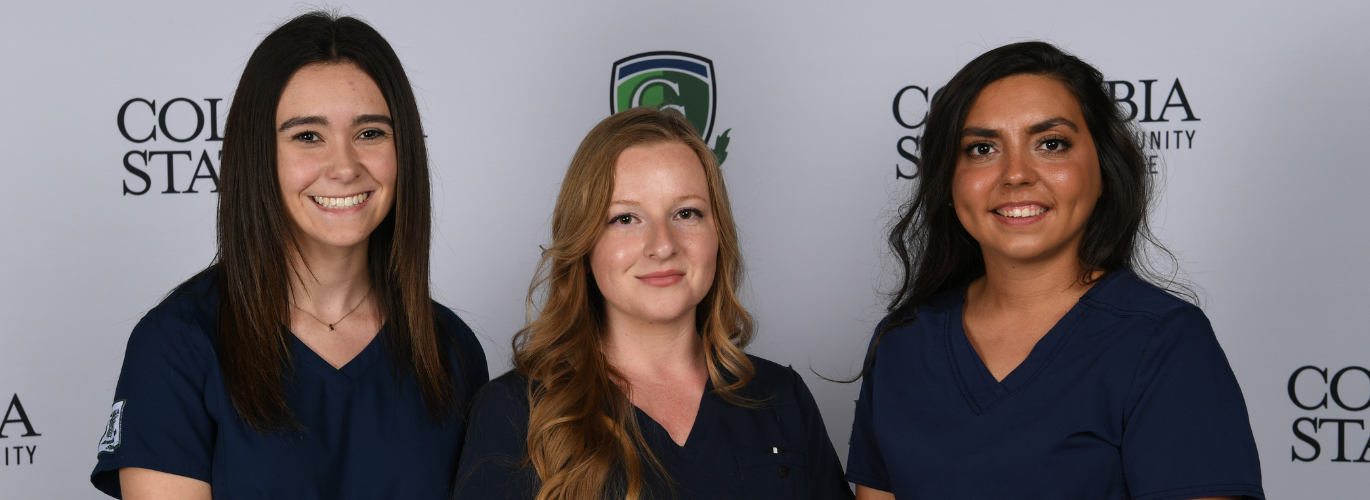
[
  {"x": 660, "y": 315},
  {"x": 341, "y": 240},
  {"x": 1030, "y": 252},
  {"x": 667, "y": 317}
]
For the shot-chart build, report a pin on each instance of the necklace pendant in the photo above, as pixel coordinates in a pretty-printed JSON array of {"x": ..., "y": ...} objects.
[{"x": 330, "y": 327}]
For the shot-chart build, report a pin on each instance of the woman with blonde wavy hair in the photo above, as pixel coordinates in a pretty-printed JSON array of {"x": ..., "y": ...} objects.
[{"x": 631, "y": 382}]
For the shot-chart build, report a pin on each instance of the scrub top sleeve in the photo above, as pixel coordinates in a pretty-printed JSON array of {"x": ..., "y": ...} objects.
[
  {"x": 865, "y": 464},
  {"x": 826, "y": 481},
  {"x": 160, "y": 420},
  {"x": 1186, "y": 433},
  {"x": 495, "y": 441}
]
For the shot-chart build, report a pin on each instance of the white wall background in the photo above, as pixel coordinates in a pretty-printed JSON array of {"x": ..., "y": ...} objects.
[{"x": 1265, "y": 209}]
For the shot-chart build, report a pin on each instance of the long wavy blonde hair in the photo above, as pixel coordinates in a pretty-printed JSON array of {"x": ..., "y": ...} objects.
[{"x": 583, "y": 438}]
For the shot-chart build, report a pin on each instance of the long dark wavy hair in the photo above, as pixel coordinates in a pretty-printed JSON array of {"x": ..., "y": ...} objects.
[
  {"x": 933, "y": 249},
  {"x": 253, "y": 265}
]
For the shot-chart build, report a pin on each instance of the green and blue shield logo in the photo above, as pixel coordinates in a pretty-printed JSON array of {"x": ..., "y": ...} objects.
[{"x": 670, "y": 80}]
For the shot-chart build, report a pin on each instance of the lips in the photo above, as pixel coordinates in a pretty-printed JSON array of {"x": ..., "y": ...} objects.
[
  {"x": 1021, "y": 211},
  {"x": 662, "y": 278},
  {"x": 341, "y": 203},
  {"x": 1020, "y": 214}
]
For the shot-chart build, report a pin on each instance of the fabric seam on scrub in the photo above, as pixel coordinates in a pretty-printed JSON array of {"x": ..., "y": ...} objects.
[
  {"x": 1132, "y": 388},
  {"x": 171, "y": 467},
  {"x": 1220, "y": 489},
  {"x": 957, "y": 370},
  {"x": 868, "y": 482}
]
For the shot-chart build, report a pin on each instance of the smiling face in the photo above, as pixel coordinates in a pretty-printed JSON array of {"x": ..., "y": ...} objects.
[
  {"x": 655, "y": 258},
  {"x": 335, "y": 155},
  {"x": 1027, "y": 177}
]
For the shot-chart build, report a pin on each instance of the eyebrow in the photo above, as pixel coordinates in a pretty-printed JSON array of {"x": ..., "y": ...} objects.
[
  {"x": 1038, "y": 128},
  {"x": 677, "y": 200},
  {"x": 319, "y": 120},
  {"x": 382, "y": 119},
  {"x": 303, "y": 120},
  {"x": 987, "y": 133},
  {"x": 1050, "y": 123}
]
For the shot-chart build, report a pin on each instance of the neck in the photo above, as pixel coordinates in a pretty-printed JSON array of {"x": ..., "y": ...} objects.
[
  {"x": 654, "y": 351},
  {"x": 329, "y": 281},
  {"x": 1010, "y": 284}
]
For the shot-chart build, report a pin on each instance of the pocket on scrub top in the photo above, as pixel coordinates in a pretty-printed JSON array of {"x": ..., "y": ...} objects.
[{"x": 773, "y": 475}]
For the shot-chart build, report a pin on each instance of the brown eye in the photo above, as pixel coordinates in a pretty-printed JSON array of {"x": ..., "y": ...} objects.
[
  {"x": 979, "y": 149},
  {"x": 1055, "y": 145}
]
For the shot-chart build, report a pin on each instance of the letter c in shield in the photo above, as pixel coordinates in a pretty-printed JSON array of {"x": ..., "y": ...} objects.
[{"x": 667, "y": 80}]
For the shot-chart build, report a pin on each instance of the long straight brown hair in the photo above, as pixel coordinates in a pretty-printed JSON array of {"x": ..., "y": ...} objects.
[
  {"x": 253, "y": 265},
  {"x": 583, "y": 437}
]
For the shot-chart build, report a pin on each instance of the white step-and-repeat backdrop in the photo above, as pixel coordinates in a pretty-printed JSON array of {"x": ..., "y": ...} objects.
[{"x": 1254, "y": 115}]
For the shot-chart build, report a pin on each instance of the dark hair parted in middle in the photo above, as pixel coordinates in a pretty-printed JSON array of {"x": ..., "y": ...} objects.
[
  {"x": 934, "y": 251},
  {"x": 583, "y": 438},
  {"x": 255, "y": 239}
]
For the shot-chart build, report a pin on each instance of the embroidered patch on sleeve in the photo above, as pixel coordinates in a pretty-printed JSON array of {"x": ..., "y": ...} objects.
[{"x": 110, "y": 440}]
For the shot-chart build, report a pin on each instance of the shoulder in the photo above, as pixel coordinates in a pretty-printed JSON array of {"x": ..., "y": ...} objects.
[
  {"x": 499, "y": 412},
  {"x": 496, "y": 441},
  {"x": 775, "y": 382},
  {"x": 1122, "y": 293},
  {"x": 464, "y": 350},
  {"x": 785, "y": 398},
  {"x": 511, "y": 380},
  {"x": 505, "y": 391},
  {"x": 451, "y": 324},
  {"x": 171, "y": 356},
  {"x": 908, "y": 327},
  {"x": 455, "y": 330},
  {"x": 1174, "y": 328},
  {"x": 927, "y": 312},
  {"x": 196, "y": 299},
  {"x": 186, "y": 318},
  {"x": 769, "y": 374}
]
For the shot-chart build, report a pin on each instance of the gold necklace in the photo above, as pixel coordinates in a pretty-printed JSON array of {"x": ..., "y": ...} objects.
[{"x": 330, "y": 325}]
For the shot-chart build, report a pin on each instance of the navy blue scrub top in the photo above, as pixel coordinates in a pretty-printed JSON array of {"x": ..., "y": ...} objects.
[
  {"x": 366, "y": 434},
  {"x": 1128, "y": 396},
  {"x": 777, "y": 451}
]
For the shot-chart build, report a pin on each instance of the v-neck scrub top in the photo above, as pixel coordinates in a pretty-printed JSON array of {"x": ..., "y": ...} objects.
[
  {"x": 1128, "y": 396},
  {"x": 365, "y": 433},
  {"x": 777, "y": 451}
]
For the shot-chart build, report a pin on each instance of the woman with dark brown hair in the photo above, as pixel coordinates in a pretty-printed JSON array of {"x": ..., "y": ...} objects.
[
  {"x": 632, "y": 381},
  {"x": 308, "y": 361},
  {"x": 1030, "y": 350}
]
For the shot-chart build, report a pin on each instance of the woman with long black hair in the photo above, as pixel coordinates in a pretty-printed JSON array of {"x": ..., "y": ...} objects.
[
  {"x": 1029, "y": 352},
  {"x": 308, "y": 361}
]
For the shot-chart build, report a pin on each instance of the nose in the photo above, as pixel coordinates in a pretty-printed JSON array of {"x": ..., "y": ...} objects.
[
  {"x": 1018, "y": 169},
  {"x": 661, "y": 241},
  {"x": 344, "y": 163}
]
